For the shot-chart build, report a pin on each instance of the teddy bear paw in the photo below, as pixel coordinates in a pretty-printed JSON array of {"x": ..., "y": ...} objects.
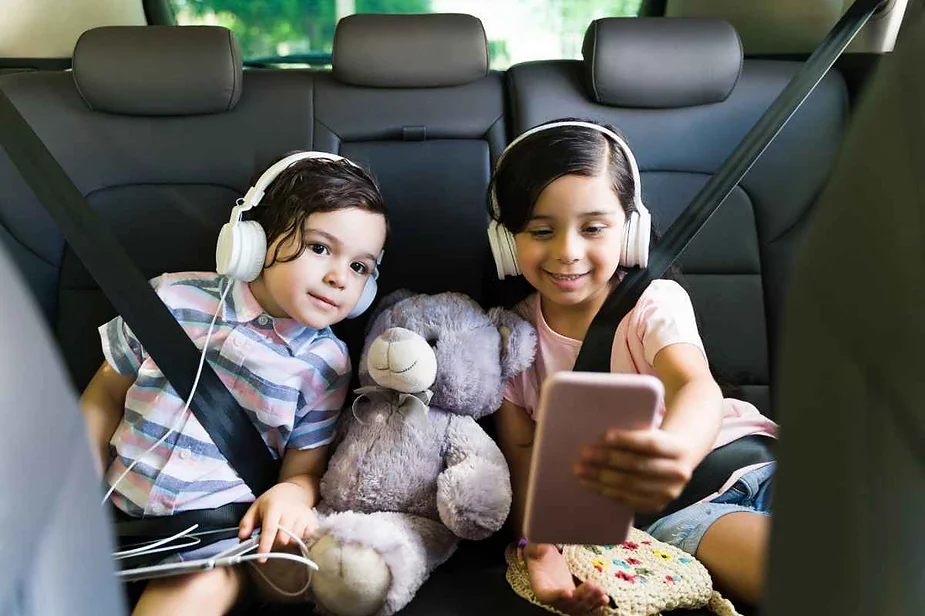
[{"x": 352, "y": 579}]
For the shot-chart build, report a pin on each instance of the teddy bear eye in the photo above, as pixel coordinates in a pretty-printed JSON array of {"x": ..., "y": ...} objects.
[{"x": 432, "y": 341}]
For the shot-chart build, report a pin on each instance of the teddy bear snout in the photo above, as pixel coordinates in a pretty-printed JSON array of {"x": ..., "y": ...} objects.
[{"x": 402, "y": 360}]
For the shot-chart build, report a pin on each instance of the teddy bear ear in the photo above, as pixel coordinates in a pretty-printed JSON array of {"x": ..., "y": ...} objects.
[
  {"x": 387, "y": 302},
  {"x": 518, "y": 341}
]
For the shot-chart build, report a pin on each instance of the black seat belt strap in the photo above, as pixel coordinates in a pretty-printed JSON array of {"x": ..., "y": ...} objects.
[
  {"x": 133, "y": 297},
  {"x": 595, "y": 352}
]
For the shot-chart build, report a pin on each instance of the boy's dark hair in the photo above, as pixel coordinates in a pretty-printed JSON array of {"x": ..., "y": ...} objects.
[{"x": 309, "y": 186}]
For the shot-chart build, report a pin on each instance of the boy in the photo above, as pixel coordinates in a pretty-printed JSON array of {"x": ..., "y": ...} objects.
[{"x": 272, "y": 346}]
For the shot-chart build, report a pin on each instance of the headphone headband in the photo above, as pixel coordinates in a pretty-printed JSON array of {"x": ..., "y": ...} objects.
[
  {"x": 255, "y": 193},
  {"x": 635, "y": 249},
  {"x": 242, "y": 245},
  {"x": 634, "y": 167}
]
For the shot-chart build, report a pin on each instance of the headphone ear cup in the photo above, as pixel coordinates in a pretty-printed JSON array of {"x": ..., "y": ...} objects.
[
  {"x": 495, "y": 245},
  {"x": 636, "y": 240},
  {"x": 241, "y": 250},
  {"x": 367, "y": 297},
  {"x": 224, "y": 249},
  {"x": 512, "y": 268},
  {"x": 629, "y": 241},
  {"x": 503, "y": 249}
]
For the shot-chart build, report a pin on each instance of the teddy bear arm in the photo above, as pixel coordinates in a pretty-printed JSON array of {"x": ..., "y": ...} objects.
[
  {"x": 474, "y": 491},
  {"x": 466, "y": 439}
]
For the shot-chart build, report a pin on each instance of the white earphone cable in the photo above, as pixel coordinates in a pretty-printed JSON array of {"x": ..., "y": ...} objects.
[
  {"x": 183, "y": 413},
  {"x": 304, "y": 559},
  {"x": 156, "y": 546}
]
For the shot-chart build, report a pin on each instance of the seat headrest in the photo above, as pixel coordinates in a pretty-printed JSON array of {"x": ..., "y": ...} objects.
[
  {"x": 158, "y": 70},
  {"x": 661, "y": 62},
  {"x": 409, "y": 51}
]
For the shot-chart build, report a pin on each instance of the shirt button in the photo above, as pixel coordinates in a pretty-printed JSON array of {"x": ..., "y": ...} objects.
[
  {"x": 185, "y": 454},
  {"x": 263, "y": 320}
]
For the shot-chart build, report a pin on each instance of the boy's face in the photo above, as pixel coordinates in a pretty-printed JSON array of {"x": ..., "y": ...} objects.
[{"x": 324, "y": 283}]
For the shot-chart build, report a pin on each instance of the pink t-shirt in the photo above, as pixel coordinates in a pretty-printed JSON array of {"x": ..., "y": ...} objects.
[{"x": 663, "y": 316}]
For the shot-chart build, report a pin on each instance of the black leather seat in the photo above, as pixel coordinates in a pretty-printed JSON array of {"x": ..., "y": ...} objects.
[
  {"x": 681, "y": 93},
  {"x": 412, "y": 97},
  {"x": 160, "y": 144}
]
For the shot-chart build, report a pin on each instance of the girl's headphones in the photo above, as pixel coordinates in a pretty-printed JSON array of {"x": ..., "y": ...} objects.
[
  {"x": 242, "y": 244},
  {"x": 635, "y": 233}
]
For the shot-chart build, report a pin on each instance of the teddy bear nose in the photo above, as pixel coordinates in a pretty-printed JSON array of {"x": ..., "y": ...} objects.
[{"x": 397, "y": 334}]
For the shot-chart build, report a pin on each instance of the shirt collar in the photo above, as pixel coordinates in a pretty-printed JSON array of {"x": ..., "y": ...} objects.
[
  {"x": 247, "y": 308},
  {"x": 245, "y": 305}
]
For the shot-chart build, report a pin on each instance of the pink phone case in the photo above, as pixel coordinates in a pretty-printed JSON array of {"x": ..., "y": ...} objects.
[{"x": 575, "y": 409}]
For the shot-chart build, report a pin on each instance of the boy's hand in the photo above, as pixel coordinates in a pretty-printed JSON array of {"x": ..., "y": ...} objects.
[
  {"x": 646, "y": 469},
  {"x": 285, "y": 504}
]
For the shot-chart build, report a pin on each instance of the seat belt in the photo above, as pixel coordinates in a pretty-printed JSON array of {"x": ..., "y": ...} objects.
[
  {"x": 594, "y": 356},
  {"x": 229, "y": 426}
]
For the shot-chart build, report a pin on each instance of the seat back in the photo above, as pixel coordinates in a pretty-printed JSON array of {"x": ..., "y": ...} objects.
[
  {"x": 160, "y": 148},
  {"x": 163, "y": 147},
  {"x": 411, "y": 97},
  {"x": 681, "y": 93}
]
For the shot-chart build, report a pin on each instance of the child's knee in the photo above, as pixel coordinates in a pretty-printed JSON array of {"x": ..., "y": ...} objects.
[{"x": 205, "y": 591}]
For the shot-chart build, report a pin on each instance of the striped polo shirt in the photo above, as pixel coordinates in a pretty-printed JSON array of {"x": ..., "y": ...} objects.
[{"x": 290, "y": 379}]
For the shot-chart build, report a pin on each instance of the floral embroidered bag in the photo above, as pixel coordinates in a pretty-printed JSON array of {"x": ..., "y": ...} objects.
[{"x": 642, "y": 576}]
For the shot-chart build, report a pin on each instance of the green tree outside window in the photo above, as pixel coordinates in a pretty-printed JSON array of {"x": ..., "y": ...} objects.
[{"x": 305, "y": 28}]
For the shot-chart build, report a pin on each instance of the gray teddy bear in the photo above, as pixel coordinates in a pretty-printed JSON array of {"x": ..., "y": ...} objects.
[{"x": 412, "y": 471}]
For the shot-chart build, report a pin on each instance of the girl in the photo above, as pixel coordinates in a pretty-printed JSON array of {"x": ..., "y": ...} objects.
[{"x": 567, "y": 213}]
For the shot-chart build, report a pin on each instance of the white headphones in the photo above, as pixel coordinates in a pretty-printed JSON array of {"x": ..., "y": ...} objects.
[
  {"x": 242, "y": 244},
  {"x": 635, "y": 234}
]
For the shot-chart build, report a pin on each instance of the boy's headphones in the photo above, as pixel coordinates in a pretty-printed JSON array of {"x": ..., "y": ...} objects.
[
  {"x": 635, "y": 233},
  {"x": 242, "y": 244}
]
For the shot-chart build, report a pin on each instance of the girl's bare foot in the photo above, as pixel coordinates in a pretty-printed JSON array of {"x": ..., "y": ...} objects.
[{"x": 554, "y": 585}]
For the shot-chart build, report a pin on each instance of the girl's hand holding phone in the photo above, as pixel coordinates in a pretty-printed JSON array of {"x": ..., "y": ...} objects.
[{"x": 645, "y": 469}]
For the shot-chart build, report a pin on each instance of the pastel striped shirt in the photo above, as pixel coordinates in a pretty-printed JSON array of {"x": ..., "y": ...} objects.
[{"x": 290, "y": 379}]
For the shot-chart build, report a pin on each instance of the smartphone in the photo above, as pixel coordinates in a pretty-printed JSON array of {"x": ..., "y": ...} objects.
[{"x": 576, "y": 409}]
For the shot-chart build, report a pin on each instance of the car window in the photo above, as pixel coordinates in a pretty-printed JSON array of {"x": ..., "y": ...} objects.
[{"x": 300, "y": 32}]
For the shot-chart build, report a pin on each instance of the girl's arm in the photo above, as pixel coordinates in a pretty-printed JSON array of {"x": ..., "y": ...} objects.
[
  {"x": 693, "y": 400},
  {"x": 647, "y": 469},
  {"x": 515, "y": 436},
  {"x": 103, "y": 405}
]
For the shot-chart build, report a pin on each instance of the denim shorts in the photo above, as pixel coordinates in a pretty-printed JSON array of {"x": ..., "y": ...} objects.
[{"x": 685, "y": 529}]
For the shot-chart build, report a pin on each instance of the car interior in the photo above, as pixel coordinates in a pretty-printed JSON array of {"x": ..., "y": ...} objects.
[{"x": 162, "y": 126}]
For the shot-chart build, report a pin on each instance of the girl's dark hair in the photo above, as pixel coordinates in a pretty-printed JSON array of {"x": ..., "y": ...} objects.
[
  {"x": 534, "y": 163},
  {"x": 309, "y": 186}
]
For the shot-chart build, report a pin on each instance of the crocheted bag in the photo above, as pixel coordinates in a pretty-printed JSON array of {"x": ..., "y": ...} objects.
[{"x": 643, "y": 577}]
